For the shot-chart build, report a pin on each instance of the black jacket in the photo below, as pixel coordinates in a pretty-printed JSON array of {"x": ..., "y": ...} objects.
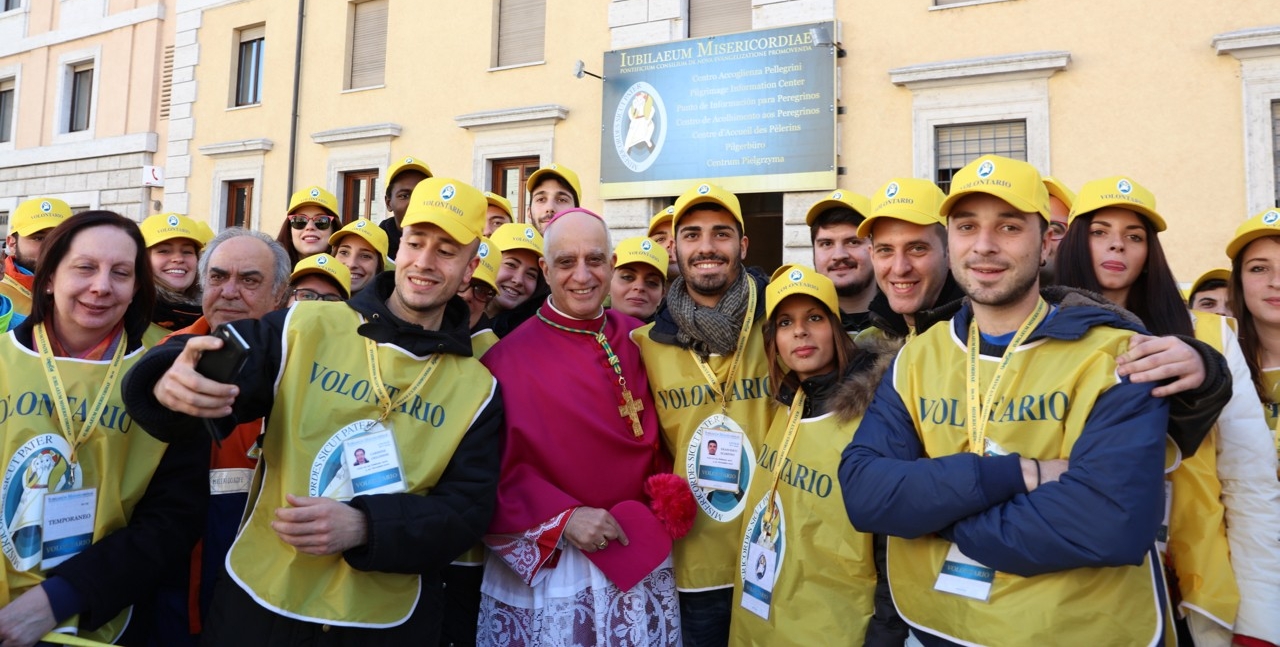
[
  {"x": 408, "y": 533},
  {"x": 126, "y": 566}
]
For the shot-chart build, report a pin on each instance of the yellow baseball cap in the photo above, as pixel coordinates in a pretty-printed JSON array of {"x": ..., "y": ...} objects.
[
  {"x": 487, "y": 270},
  {"x": 1262, "y": 225},
  {"x": 452, "y": 205},
  {"x": 1116, "y": 191},
  {"x": 324, "y": 265},
  {"x": 38, "y": 214},
  {"x": 909, "y": 199},
  {"x": 790, "y": 280},
  {"x": 661, "y": 218},
  {"x": 364, "y": 228},
  {"x": 706, "y": 193},
  {"x": 167, "y": 226},
  {"x": 562, "y": 172},
  {"x": 515, "y": 235},
  {"x": 500, "y": 202},
  {"x": 409, "y": 163},
  {"x": 1059, "y": 190},
  {"x": 205, "y": 232},
  {"x": 642, "y": 250},
  {"x": 1011, "y": 180},
  {"x": 314, "y": 195},
  {"x": 861, "y": 204},
  {"x": 1216, "y": 273}
]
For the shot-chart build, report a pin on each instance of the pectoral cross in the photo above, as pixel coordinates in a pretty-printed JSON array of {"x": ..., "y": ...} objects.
[{"x": 631, "y": 408}]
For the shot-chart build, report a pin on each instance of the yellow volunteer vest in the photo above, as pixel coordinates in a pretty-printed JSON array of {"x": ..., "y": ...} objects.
[
  {"x": 481, "y": 342},
  {"x": 11, "y": 289},
  {"x": 1040, "y": 415},
  {"x": 118, "y": 459},
  {"x": 707, "y": 557},
  {"x": 825, "y": 590},
  {"x": 1197, "y": 544},
  {"x": 1271, "y": 383},
  {"x": 322, "y": 391}
]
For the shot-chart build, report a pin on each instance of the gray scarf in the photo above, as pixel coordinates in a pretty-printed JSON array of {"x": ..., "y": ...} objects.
[{"x": 709, "y": 330}]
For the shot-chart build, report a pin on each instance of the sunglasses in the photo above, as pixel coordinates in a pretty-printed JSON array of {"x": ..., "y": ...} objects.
[
  {"x": 303, "y": 294},
  {"x": 483, "y": 293},
  {"x": 300, "y": 222}
]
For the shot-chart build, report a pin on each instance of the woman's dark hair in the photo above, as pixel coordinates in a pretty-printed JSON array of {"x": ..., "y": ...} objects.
[
  {"x": 778, "y": 374},
  {"x": 1250, "y": 343},
  {"x": 137, "y": 317},
  {"x": 1154, "y": 295}
]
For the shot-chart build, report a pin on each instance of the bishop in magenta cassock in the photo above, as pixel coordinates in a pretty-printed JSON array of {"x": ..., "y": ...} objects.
[{"x": 577, "y": 556}]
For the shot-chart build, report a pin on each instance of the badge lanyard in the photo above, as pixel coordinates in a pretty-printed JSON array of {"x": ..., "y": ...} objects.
[
  {"x": 385, "y": 402},
  {"x": 980, "y": 410},
  {"x": 60, "y": 400},
  {"x": 788, "y": 438},
  {"x": 22, "y": 289},
  {"x": 726, "y": 391},
  {"x": 630, "y": 407}
]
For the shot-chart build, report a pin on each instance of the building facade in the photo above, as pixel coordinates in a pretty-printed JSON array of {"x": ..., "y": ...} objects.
[
  {"x": 273, "y": 96},
  {"x": 83, "y": 103}
]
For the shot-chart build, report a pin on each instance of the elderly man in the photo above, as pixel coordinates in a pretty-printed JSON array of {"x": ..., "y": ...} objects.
[
  {"x": 571, "y": 524},
  {"x": 244, "y": 275},
  {"x": 330, "y": 551}
]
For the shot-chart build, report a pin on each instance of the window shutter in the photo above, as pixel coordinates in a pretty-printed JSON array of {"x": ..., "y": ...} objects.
[
  {"x": 715, "y": 17},
  {"x": 521, "y": 31},
  {"x": 368, "y": 44},
  {"x": 166, "y": 82},
  {"x": 253, "y": 33}
]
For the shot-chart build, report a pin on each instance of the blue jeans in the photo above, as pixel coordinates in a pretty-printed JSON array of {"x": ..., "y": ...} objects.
[{"x": 704, "y": 617}]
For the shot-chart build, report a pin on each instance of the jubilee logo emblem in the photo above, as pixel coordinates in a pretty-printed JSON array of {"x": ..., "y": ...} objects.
[
  {"x": 986, "y": 169},
  {"x": 646, "y": 245},
  {"x": 796, "y": 275},
  {"x": 173, "y": 221},
  {"x": 1125, "y": 187},
  {"x": 448, "y": 192},
  {"x": 891, "y": 190}
]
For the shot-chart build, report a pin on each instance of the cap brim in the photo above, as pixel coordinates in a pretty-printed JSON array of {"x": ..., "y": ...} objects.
[
  {"x": 306, "y": 203},
  {"x": 456, "y": 230},
  {"x": 1018, "y": 202},
  {"x": 410, "y": 167},
  {"x": 703, "y": 199},
  {"x": 1242, "y": 241},
  {"x": 913, "y": 217},
  {"x": 319, "y": 272},
  {"x": 817, "y": 209}
]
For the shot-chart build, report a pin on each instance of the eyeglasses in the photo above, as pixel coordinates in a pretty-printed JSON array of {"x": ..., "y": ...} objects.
[
  {"x": 1057, "y": 230},
  {"x": 482, "y": 292},
  {"x": 300, "y": 221},
  {"x": 303, "y": 294}
]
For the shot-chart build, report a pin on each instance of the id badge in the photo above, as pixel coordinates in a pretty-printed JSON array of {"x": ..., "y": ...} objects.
[
  {"x": 964, "y": 576},
  {"x": 68, "y": 525},
  {"x": 373, "y": 463},
  {"x": 720, "y": 458},
  {"x": 1162, "y": 536},
  {"x": 762, "y": 573}
]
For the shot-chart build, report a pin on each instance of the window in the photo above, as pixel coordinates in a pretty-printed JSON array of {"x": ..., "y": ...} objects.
[
  {"x": 249, "y": 66},
  {"x": 358, "y": 194},
  {"x": 10, "y": 5},
  {"x": 521, "y": 31},
  {"x": 1275, "y": 138},
  {"x": 715, "y": 17},
  {"x": 509, "y": 179},
  {"x": 7, "y": 91},
  {"x": 81, "y": 106},
  {"x": 239, "y": 204},
  {"x": 368, "y": 60},
  {"x": 955, "y": 146},
  {"x": 166, "y": 82}
]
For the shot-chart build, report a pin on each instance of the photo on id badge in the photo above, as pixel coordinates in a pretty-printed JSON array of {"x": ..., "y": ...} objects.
[{"x": 718, "y": 464}]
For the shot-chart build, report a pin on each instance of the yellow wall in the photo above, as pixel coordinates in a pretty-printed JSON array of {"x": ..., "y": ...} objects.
[{"x": 1144, "y": 94}]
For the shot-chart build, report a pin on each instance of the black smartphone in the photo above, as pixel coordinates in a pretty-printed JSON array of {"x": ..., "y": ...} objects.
[{"x": 224, "y": 364}]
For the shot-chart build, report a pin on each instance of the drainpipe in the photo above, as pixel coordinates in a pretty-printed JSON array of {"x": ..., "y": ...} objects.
[{"x": 297, "y": 82}]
